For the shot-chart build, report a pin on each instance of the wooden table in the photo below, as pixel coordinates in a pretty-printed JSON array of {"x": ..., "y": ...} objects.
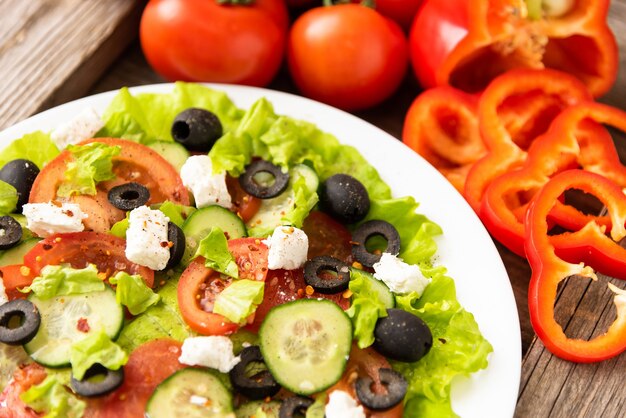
[{"x": 53, "y": 51}]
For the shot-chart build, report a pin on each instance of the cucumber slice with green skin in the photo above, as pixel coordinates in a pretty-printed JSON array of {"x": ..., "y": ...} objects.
[
  {"x": 198, "y": 225},
  {"x": 191, "y": 392},
  {"x": 16, "y": 254},
  {"x": 60, "y": 317},
  {"x": 385, "y": 295},
  {"x": 306, "y": 344},
  {"x": 272, "y": 211},
  {"x": 251, "y": 409},
  {"x": 173, "y": 152}
]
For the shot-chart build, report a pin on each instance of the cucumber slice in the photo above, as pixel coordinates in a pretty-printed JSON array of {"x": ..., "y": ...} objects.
[
  {"x": 386, "y": 296},
  {"x": 16, "y": 254},
  {"x": 59, "y": 319},
  {"x": 250, "y": 409},
  {"x": 306, "y": 344},
  {"x": 272, "y": 211},
  {"x": 190, "y": 393},
  {"x": 197, "y": 226},
  {"x": 11, "y": 356},
  {"x": 173, "y": 152}
]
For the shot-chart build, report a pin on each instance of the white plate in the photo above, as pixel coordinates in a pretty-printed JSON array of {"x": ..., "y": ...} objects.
[{"x": 466, "y": 249}]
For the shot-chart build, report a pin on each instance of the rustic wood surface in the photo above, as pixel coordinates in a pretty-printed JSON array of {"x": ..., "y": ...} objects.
[{"x": 52, "y": 51}]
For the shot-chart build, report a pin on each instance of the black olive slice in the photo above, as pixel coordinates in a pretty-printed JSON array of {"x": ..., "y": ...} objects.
[
  {"x": 20, "y": 174},
  {"x": 368, "y": 230},
  {"x": 10, "y": 232},
  {"x": 395, "y": 386},
  {"x": 19, "y": 322},
  {"x": 197, "y": 129},
  {"x": 402, "y": 336},
  {"x": 344, "y": 198},
  {"x": 259, "y": 385},
  {"x": 90, "y": 387},
  {"x": 129, "y": 196},
  {"x": 176, "y": 236},
  {"x": 293, "y": 406},
  {"x": 335, "y": 284},
  {"x": 262, "y": 191}
]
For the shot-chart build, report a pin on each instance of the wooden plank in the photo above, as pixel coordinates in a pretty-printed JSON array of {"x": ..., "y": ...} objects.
[{"x": 52, "y": 51}]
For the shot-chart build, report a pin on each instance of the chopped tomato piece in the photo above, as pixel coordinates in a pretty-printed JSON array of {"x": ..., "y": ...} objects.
[{"x": 11, "y": 406}]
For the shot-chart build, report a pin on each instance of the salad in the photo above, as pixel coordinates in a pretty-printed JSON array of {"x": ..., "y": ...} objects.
[{"x": 220, "y": 316}]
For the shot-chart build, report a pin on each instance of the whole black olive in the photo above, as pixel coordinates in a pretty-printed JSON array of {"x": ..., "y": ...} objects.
[
  {"x": 327, "y": 285},
  {"x": 197, "y": 129},
  {"x": 344, "y": 198},
  {"x": 258, "y": 386},
  {"x": 176, "y": 236},
  {"x": 276, "y": 186},
  {"x": 402, "y": 336},
  {"x": 20, "y": 174},
  {"x": 129, "y": 196},
  {"x": 293, "y": 406},
  {"x": 98, "y": 381},
  {"x": 10, "y": 232},
  {"x": 19, "y": 322},
  {"x": 395, "y": 385},
  {"x": 368, "y": 230}
]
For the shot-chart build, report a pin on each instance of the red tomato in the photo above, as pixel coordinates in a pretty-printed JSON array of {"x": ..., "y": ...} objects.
[
  {"x": 147, "y": 366},
  {"x": 135, "y": 162},
  {"x": 11, "y": 406},
  {"x": 79, "y": 249},
  {"x": 202, "y": 40},
  {"x": 244, "y": 204},
  {"x": 347, "y": 55},
  {"x": 401, "y": 11},
  {"x": 199, "y": 286},
  {"x": 15, "y": 277},
  {"x": 327, "y": 237}
]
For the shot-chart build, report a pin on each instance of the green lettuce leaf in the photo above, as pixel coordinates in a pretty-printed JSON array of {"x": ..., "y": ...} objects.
[
  {"x": 214, "y": 248},
  {"x": 8, "y": 198},
  {"x": 64, "y": 280},
  {"x": 51, "y": 398},
  {"x": 97, "y": 348},
  {"x": 177, "y": 213},
  {"x": 317, "y": 409},
  {"x": 119, "y": 228},
  {"x": 92, "y": 163},
  {"x": 37, "y": 147},
  {"x": 132, "y": 292},
  {"x": 365, "y": 308},
  {"x": 239, "y": 300},
  {"x": 304, "y": 200}
]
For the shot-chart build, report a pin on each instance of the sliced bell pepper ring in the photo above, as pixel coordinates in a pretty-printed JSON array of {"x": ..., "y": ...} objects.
[
  {"x": 516, "y": 108},
  {"x": 442, "y": 126},
  {"x": 549, "y": 269},
  {"x": 467, "y": 43}
]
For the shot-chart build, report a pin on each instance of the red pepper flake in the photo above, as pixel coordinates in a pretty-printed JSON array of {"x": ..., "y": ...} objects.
[
  {"x": 300, "y": 293},
  {"x": 68, "y": 213},
  {"x": 164, "y": 244},
  {"x": 354, "y": 243},
  {"x": 252, "y": 248},
  {"x": 82, "y": 325},
  {"x": 309, "y": 290},
  {"x": 47, "y": 247}
]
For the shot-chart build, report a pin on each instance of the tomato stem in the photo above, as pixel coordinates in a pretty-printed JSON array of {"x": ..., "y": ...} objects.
[{"x": 366, "y": 3}]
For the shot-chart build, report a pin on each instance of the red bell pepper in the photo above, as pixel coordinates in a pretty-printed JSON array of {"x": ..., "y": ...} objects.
[
  {"x": 592, "y": 246},
  {"x": 442, "y": 126},
  {"x": 575, "y": 139},
  {"x": 466, "y": 43},
  {"x": 517, "y": 107}
]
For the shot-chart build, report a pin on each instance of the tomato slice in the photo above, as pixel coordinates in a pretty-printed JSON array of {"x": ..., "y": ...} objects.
[
  {"x": 327, "y": 237},
  {"x": 79, "y": 249},
  {"x": 16, "y": 276},
  {"x": 199, "y": 286},
  {"x": 147, "y": 366},
  {"x": 244, "y": 204},
  {"x": 11, "y": 406},
  {"x": 136, "y": 163}
]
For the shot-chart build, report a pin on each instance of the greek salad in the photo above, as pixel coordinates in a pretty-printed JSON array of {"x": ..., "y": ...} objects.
[{"x": 177, "y": 255}]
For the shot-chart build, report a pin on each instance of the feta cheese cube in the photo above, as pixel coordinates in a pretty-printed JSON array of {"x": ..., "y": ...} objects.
[
  {"x": 399, "y": 276},
  {"x": 342, "y": 405},
  {"x": 83, "y": 126},
  {"x": 207, "y": 188},
  {"x": 288, "y": 247},
  {"x": 3, "y": 293},
  {"x": 215, "y": 352},
  {"x": 146, "y": 238},
  {"x": 45, "y": 219}
]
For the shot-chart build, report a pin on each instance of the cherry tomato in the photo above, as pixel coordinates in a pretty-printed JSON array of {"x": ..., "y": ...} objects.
[
  {"x": 202, "y": 40},
  {"x": 347, "y": 55},
  {"x": 135, "y": 162},
  {"x": 147, "y": 366},
  {"x": 244, "y": 204},
  {"x": 79, "y": 249},
  {"x": 16, "y": 276},
  {"x": 11, "y": 406},
  {"x": 199, "y": 286},
  {"x": 401, "y": 11}
]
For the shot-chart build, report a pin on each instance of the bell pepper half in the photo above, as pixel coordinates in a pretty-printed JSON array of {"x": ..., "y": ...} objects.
[
  {"x": 442, "y": 126},
  {"x": 467, "y": 43},
  {"x": 516, "y": 108},
  {"x": 576, "y": 139},
  {"x": 594, "y": 248}
]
